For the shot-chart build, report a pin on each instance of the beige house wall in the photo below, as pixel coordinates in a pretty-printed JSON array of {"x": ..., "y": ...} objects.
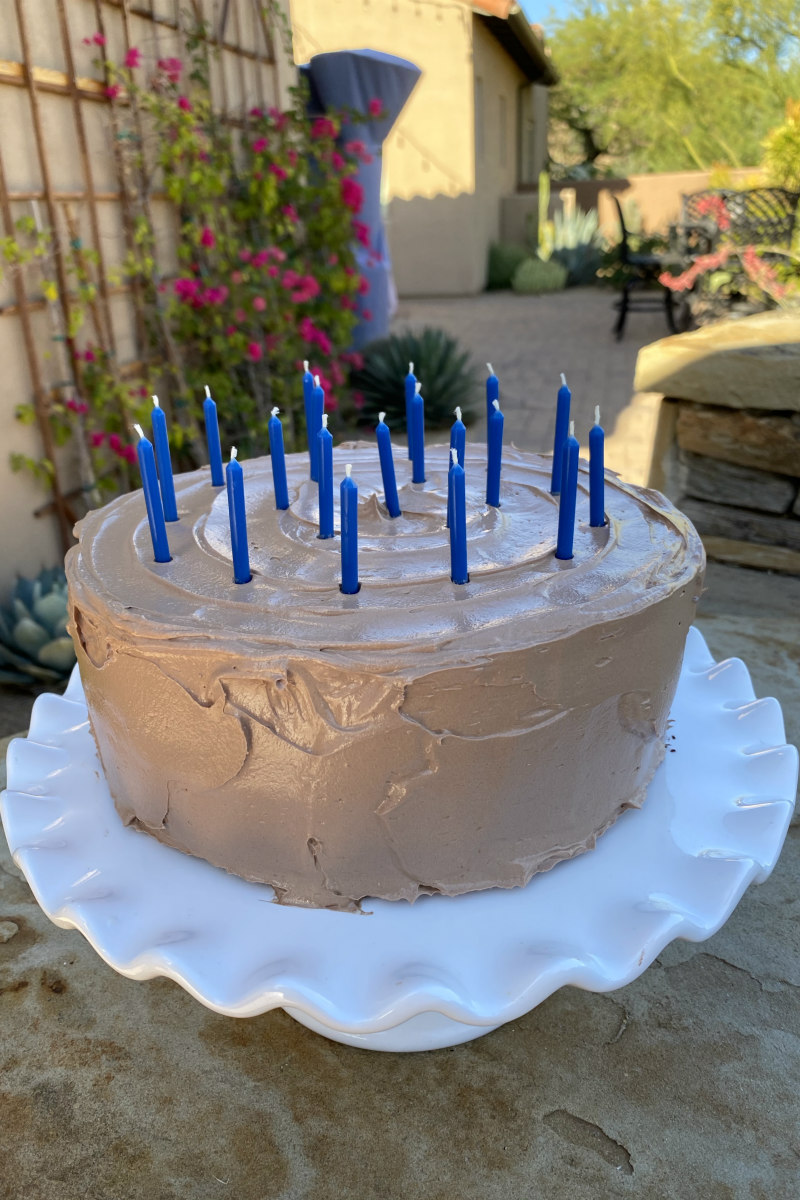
[
  {"x": 28, "y": 542},
  {"x": 446, "y": 163}
]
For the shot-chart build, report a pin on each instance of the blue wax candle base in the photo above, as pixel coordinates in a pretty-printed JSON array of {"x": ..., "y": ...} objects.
[
  {"x": 325, "y": 537},
  {"x": 354, "y": 593}
]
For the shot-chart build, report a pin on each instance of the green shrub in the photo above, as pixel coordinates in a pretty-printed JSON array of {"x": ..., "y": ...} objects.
[
  {"x": 504, "y": 258},
  {"x": 448, "y": 378},
  {"x": 534, "y": 276}
]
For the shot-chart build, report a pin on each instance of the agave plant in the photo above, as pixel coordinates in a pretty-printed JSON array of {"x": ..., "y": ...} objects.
[
  {"x": 34, "y": 644},
  {"x": 447, "y": 375}
]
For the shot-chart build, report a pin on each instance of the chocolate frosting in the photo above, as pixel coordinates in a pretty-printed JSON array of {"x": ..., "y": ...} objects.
[{"x": 419, "y": 736}]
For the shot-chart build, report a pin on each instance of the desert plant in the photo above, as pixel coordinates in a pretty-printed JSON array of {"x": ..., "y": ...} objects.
[
  {"x": 533, "y": 276},
  {"x": 504, "y": 258},
  {"x": 545, "y": 230},
  {"x": 445, "y": 370},
  {"x": 34, "y": 645},
  {"x": 576, "y": 245}
]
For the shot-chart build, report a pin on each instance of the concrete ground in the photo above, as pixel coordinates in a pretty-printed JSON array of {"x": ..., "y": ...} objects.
[{"x": 682, "y": 1085}]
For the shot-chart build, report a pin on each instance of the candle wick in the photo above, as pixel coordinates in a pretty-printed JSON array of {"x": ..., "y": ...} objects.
[
  {"x": 348, "y": 469},
  {"x": 139, "y": 430},
  {"x": 563, "y": 379},
  {"x": 411, "y": 368},
  {"x": 490, "y": 368},
  {"x": 275, "y": 412},
  {"x": 316, "y": 381},
  {"x": 458, "y": 414},
  {"x": 454, "y": 456},
  {"x": 155, "y": 402},
  {"x": 597, "y": 414},
  {"x": 417, "y": 388},
  {"x": 234, "y": 453},
  {"x": 305, "y": 365},
  {"x": 496, "y": 404},
  {"x": 572, "y": 429},
  {"x": 324, "y": 420},
  {"x": 208, "y": 392},
  {"x": 381, "y": 417}
]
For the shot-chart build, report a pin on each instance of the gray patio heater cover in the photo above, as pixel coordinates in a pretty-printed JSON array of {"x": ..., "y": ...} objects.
[{"x": 349, "y": 79}]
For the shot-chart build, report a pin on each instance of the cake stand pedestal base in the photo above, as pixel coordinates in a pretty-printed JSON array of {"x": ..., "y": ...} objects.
[{"x": 444, "y": 970}]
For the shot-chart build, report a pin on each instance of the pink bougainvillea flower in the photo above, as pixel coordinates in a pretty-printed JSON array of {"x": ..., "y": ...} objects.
[
  {"x": 337, "y": 162},
  {"x": 186, "y": 289},
  {"x": 375, "y": 106},
  {"x": 323, "y": 127},
  {"x": 256, "y": 112},
  {"x": 261, "y": 259},
  {"x": 98, "y": 39},
  {"x": 276, "y": 253},
  {"x": 133, "y": 59},
  {"x": 230, "y": 330},
  {"x": 356, "y": 360},
  {"x": 254, "y": 351},
  {"x": 128, "y": 453},
  {"x": 90, "y": 356},
  {"x": 363, "y": 286},
  {"x": 77, "y": 406},
  {"x": 245, "y": 255},
  {"x": 272, "y": 341},
  {"x": 290, "y": 279},
  {"x": 361, "y": 231},
  {"x": 306, "y": 329},
  {"x": 337, "y": 374},
  {"x": 96, "y": 439},
  {"x": 292, "y": 157},
  {"x": 280, "y": 118},
  {"x": 259, "y": 303},
  {"x": 207, "y": 238},
  {"x": 273, "y": 271},
  {"x": 115, "y": 442},
  {"x": 184, "y": 103},
  {"x": 279, "y": 173},
  {"x": 171, "y": 67},
  {"x": 113, "y": 91},
  {"x": 290, "y": 212},
  {"x": 352, "y": 194},
  {"x": 260, "y": 145},
  {"x": 331, "y": 403},
  {"x": 240, "y": 315},
  {"x": 358, "y": 400},
  {"x": 350, "y": 271},
  {"x": 236, "y": 277},
  {"x": 366, "y": 314}
]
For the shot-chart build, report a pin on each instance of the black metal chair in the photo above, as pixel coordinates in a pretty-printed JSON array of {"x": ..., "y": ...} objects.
[{"x": 642, "y": 273}]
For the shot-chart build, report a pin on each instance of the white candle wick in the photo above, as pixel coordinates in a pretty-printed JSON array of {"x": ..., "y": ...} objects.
[
  {"x": 275, "y": 412},
  {"x": 417, "y": 388},
  {"x": 453, "y": 455},
  {"x": 305, "y": 365},
  {"x": 496, "y": 404},
  {"x": 597, "y": 414},
  {"x": 563, "y": 379},
  {"x": 139, "y": 430},
  {"x": 208, "y": 392},
  {"x": 155, "y": 402},
  {"x": 458, "y": 414},
  {"x": 381, "y": 417},
  {"x": 348, "y": 469},
  {"x": 316, "y": 381},
  {"x": 572, "y": 429},
  {"x": 490, "y": 368},
  {"x": 324, "y": 420},
  {"x": 411, "y": 368},
  {"x": 234, "y": 453}
]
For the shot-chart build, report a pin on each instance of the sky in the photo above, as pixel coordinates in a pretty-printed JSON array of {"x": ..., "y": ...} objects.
[{"x": 538, "y": 11}]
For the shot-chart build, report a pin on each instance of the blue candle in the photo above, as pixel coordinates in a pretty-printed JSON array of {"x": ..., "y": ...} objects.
[
  {"x": 495, "y": 439},
  {"x": 411, "y": 391},
  {"x": 387, "y": 466},
  {"x": 562, "y": 426},
  {"x": 308, "y": 394},
  {"x": 348, "y": 500},
  {"x": 317, "y": 409},
  {"x": 597, "y": 481},
  {"x": 164, "y": 462},
  {"x": 276, "y": 451},
  {"x": 212, "y": 438},
  {"x": 238, "y": 520},
  {"x": 417, "y": 427},
  {"x": 458, "y": 442},
  {"x": 152, "y": 498},
  {"x": 569, "y": 495},
  {"x": 325, "y": 460},
  {"x": 456, "y": 491},
  {"x": 492, "y": 392}
]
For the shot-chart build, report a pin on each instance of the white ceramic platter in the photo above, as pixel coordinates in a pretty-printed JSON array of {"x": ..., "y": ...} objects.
[{"x": 444, "y": 970}]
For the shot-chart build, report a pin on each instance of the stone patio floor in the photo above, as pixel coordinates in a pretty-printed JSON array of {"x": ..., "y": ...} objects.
[{"x": 683, "y": 1084}]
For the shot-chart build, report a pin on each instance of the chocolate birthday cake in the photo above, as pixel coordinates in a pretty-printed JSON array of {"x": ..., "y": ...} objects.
[{"x": 417, "y": 737}]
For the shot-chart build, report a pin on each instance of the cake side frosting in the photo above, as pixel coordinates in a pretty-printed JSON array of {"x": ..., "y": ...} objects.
[{"x": 416, "y": 737}]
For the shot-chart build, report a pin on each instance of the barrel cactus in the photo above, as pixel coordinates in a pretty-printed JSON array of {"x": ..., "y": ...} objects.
[
  {"x": 534, "y": 277},
  {"x": 34, "y": 645}
]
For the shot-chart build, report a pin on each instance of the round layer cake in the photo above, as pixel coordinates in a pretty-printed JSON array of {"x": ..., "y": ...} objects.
[{"x": 418, "y": 737}]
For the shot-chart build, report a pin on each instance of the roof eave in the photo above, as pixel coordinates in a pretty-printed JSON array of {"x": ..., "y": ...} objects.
[{"x": 507, "y": 22}]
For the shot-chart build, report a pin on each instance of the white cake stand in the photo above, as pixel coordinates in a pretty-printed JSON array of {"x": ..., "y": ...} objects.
[{"x": 441, "y": 971}]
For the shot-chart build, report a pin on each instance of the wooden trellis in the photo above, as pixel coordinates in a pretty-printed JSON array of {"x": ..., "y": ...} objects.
[{"x": 243, "y": 72}]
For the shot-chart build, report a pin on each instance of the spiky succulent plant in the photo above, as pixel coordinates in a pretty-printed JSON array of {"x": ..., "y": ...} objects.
[
  {"x": 34, "y": 644},
  {"x": 448, "y": 377}
]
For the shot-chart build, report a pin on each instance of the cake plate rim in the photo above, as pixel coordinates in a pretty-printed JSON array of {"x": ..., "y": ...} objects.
[{"x": 444, "y": 970}]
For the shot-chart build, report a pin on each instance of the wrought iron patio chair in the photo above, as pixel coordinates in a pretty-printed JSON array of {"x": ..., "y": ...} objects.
[{"x": 641, "y": 290}]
